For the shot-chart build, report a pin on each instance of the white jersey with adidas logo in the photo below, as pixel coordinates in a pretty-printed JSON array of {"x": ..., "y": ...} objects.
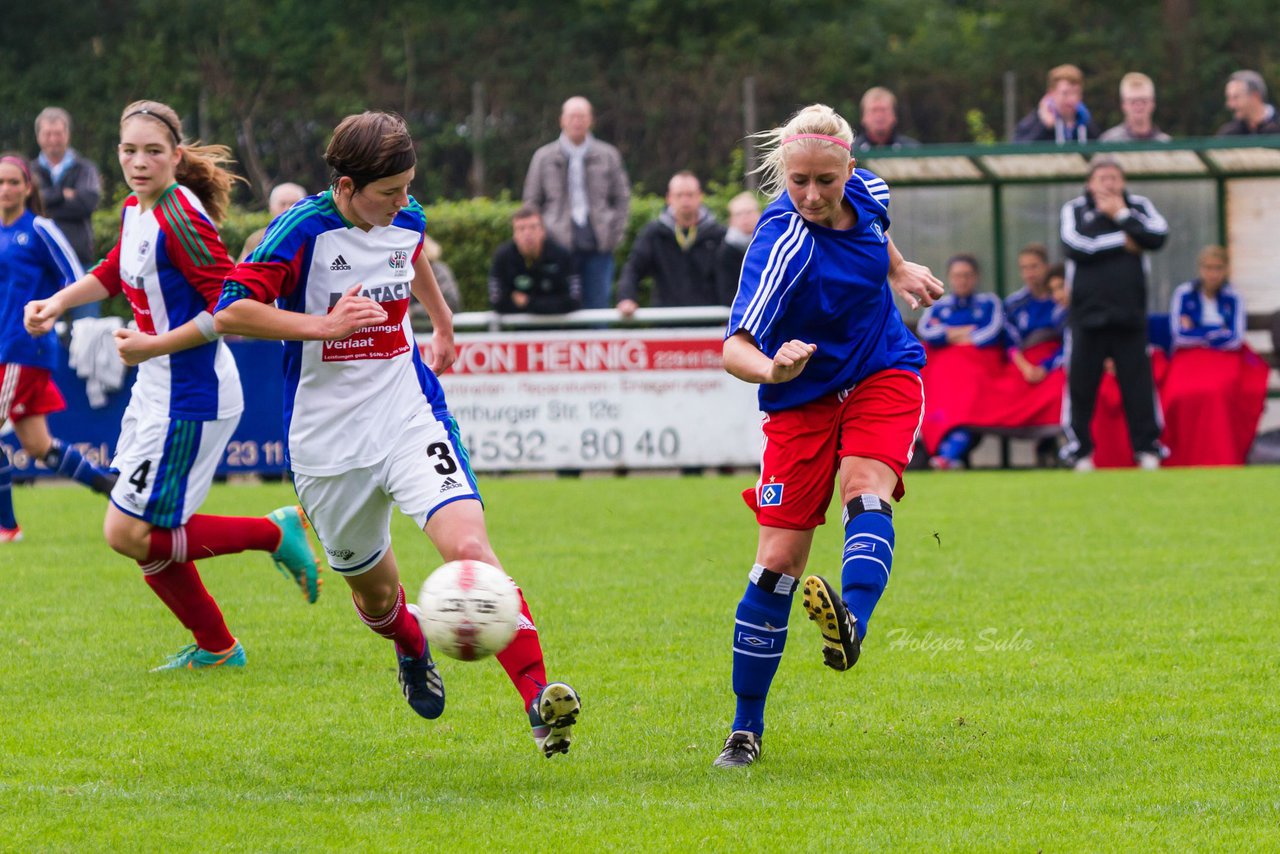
[{"x": 347, "y": 402}]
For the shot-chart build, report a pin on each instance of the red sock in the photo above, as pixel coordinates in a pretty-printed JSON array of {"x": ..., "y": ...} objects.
[
  {"x": 398, "y": 625},
  {"x": 179, "y": 587},
  {"x": 207, "y": 536},
  {"x": 522, "y": 659}
]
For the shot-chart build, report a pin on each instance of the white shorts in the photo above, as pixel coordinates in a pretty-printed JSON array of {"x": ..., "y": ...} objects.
[
  {"x": 166, "y": 465},
  {"x": 351, "y": 511}
]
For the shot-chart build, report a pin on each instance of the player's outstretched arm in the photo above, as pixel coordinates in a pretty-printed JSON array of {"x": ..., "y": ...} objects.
[
  {"x": 39, "y": 315},
  {"x": 427, "y": 290},
  {"x": 744, "y": 359},
  {"x": 915, "y": 283},
  {"x": 254, "y": 319}
]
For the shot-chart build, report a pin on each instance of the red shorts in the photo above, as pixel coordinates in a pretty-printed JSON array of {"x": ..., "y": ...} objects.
[
  {"x": 27, "y": 391},
  {"x": 879, "y": 418}
]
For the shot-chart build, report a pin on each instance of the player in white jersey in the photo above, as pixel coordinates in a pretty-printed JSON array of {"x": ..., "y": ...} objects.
[
  {"x": 366, "y": 422},
  {"x": 186, "y": 400}
]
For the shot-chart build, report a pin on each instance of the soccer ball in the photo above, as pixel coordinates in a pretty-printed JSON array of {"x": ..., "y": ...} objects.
[{"x": 469, "y": 609}]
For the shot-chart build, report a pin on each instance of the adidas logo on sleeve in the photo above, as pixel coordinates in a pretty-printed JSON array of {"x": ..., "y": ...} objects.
[{"x": 339, "y": 263}]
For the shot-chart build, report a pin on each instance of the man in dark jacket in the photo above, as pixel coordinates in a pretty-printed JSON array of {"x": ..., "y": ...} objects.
[
  {"x": 678, "y": 249},
  {"x": 1105, "y": 232},
  {"x": 531, "y": 272},
  {"x": 69, "y": 183},
  {"x": 1246, "y": 96},
  {"x": 1061, "y": 115}
]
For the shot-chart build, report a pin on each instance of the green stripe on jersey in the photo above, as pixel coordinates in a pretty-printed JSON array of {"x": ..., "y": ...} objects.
[
  {"x": 186, "y": 230},
  {"x": 287, "y": 222}
]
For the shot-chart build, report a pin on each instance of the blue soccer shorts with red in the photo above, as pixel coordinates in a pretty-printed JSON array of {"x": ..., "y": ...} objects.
[{"x": 879, "y": 418}]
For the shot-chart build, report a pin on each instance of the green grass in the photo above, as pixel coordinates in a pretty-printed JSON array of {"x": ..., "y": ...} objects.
[{"x": 1073, "y": 663}]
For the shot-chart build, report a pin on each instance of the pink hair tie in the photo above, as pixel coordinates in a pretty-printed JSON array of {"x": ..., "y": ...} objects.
[
  {"x": 822, "y": 136},
  {"x": 20, "y": 163}
]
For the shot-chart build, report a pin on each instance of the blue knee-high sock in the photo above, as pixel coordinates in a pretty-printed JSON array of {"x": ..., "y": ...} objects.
[
  {"x": 868, "y": 556},
  {"x": 759, "y": 634},
  {"x": 7, "y": 519},
  {"x": 67, "y": 461},
  {"x": 955, "y": 445}
]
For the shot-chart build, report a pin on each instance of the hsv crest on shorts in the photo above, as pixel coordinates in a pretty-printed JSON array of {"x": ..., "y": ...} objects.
[{"x": 771, "y": 495}]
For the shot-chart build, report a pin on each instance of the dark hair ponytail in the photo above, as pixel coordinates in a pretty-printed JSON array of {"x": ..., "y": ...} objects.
[{"x": 368, "y": 147}]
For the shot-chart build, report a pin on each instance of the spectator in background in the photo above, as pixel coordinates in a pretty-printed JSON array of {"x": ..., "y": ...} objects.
[
  {"x": 1034, "y": 320},
  {"x": 744, "y": 213},
  {"x": 1138, "y": 103},
  {"x": 419, "y": 319},
  {"x": 1207, "y": 312},
  {"x": 961, "y": 318},
  {"x": 70, "y": 189},
  {"x": 1061, "y": 115},
  {"x": 1216, "y": 387},
  {"x": 532, "y": 272},
  {"x": 283, "y": 196},
  {"x": 580, "y": 187},
  {"x": 1247, "y": 101},
  {"x": 1105, "y": 231},
  {"x": 678, "y": 249},
  {"x": 879, "y": 122}
]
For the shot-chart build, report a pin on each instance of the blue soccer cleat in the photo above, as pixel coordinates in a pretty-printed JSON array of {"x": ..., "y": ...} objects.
[
  {"x": 294, "y": 558},
  {"x": 552, "y": 715},
  {"x": 194, "y": 658},
  {"x": 420, "y": 679}
]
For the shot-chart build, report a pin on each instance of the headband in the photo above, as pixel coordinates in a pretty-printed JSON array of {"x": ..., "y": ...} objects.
[
  {"x": 177, "y": 137},
  {"x": 20, "y": 163},
  {"x": 822, "y": 136}
]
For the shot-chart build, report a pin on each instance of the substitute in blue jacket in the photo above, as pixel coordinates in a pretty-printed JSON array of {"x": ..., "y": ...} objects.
[
  {"x": 815, "y": 325},
  {"x": 1207, "y": 312},
  {"x": 962, "y": 318},
  {"x": 35, "y": 261}
]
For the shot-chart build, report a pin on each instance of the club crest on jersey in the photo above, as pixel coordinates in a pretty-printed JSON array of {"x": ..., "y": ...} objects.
[
  {"x": 875, "y": 226},
  {"x": 143, "y": 248},
  {"x": 399, "y": 259},
  {"x": 771, "y": 495},
  {"x": 21, "y": 239}
]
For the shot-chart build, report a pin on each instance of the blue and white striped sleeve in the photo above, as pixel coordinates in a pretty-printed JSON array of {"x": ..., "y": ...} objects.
[
  {"x": 779, "y": 254},
  {"x": 1184, "y": 325},
  {"x": 61, "y": 255},
  {"x": 989, "y": 328}
]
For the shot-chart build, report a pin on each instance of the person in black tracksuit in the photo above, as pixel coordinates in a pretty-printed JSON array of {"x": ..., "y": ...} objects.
[
  {"x": 531, "y": 272},
  {"x": 1105, "y": 232}
]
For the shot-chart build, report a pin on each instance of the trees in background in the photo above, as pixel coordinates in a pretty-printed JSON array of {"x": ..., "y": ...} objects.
[{"x": 485, "y": 81}]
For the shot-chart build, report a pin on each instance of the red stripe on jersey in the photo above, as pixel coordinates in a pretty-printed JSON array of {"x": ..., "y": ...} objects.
[
  {"x": 384, "y": 341},
  {"x": 193, "y": 246},
  {"x": 141, "y": 308}
]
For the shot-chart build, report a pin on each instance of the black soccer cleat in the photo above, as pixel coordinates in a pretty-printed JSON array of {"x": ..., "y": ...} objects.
[
  {"x": 741, "y": 748},
  {"x": 840, "y": 644},
  {"x": 420, "y": 681}
]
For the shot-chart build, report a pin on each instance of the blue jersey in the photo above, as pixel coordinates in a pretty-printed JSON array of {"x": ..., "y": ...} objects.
[
  {"x": 1028, "y": 320},
  {"x": 1197, "y": 321},
  {"x": 826, "y": 287},
  {"x": 982, "y": 311},
  {"x": 35, "y": 261}
]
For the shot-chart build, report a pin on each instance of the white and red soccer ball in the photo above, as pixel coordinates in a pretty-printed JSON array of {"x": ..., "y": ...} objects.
[{"x": 469, "y": 609}]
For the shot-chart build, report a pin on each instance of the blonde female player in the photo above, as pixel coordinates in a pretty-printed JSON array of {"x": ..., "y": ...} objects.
[
  {"x": 814, "y": 323},
  {"x": 186, "y": 400},
  {"x": 366, "y": 423}
]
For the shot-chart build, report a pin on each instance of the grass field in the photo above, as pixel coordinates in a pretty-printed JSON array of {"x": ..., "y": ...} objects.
[{"x": 1072, "y": 663}]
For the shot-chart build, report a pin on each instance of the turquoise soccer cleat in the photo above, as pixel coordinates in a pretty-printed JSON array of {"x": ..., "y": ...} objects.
[
  {"x": 294, "y": 558},
  {"x": 194, "y": 658}
]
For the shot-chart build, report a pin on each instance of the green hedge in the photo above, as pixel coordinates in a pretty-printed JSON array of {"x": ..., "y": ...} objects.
[{"x": 468, "y": 233}]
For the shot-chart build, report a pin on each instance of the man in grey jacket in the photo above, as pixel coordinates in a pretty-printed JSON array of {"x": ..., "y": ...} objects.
[
  {"x": 70, "y": 188},
  {"x": 580, "y": 186}
]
